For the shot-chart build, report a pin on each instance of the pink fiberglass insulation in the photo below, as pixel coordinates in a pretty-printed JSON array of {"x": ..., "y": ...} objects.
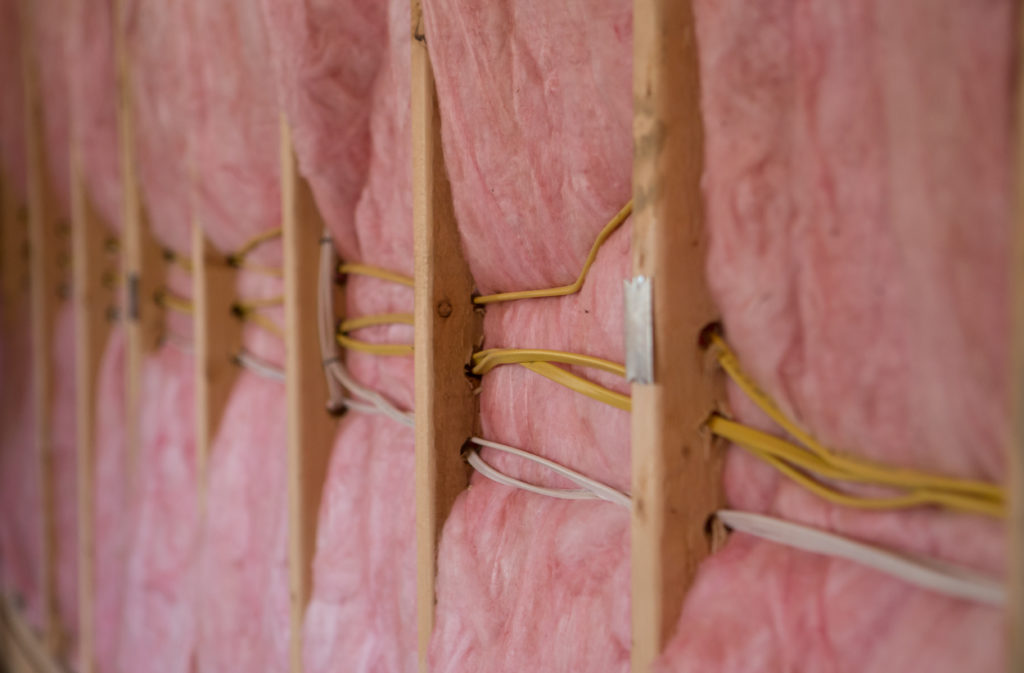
[
  {"x": 326, "y": 61},
  {"x": 112, "y": 508},
  {"x": 536, "y": 107},
  {"x": 158, "y": 625},
  {"x": 243, "y": 604},
  {"x": 858, "y": 205},
  {"x": 93, "y": 101},
  {"x": 163, "y": 83},
  {"x": 243, "y": 580},
  {"x": 344, "y": 79},
  {"x": 158, "y": 615}
]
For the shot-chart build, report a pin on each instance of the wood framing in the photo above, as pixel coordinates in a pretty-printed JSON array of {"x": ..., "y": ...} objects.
[
  {"x": 141, "y": 262},
  {"x": 44, "y": 299},
  {"x": 218, "y": 337},
  {"x": 94, "y": 267},
  {"x": 676, "y": 470},
  {"x": 448, "y": 328},
  {"x": 1015, "y": 452},
  {"x": 20, "y": 649},
  {"x": 14, "y": 268},
  {"x": 311, "y": 429}
]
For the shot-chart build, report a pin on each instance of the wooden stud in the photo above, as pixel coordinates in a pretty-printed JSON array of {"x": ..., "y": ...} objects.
[
  {"x": 1015, "y": 453},
  {"x": 13, "y": 252},
  {"x": 45, "y": 291},
  {"x": 93, "y": 296},
  {"x": 21, "y": 650},
  {"x": 677, "y": 481},
  {"x": 218, "y": 338},
  {"x": 142, "y": 262},
  {"x": 8, "y": 246},
  {"x": 13, "y": 653},
  {"x": 311, "y": 429},
  {"x": 448, "y": 328}
]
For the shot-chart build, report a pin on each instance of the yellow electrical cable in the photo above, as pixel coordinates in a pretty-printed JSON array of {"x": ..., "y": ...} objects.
[
  {"x": 913, "y": 499},
  {"x": 174, "y": 302},
  {"x": 353, "y": 268},
  {"x": 783, "y": 456},
  {"x": 256, "y": 304},
  {"x": 580, "y": 385},
  {"x": 764, "y": 443},
  {"x": 176, "y": 259},
  {"x": 352, "y": 324},
  {"x": 254, "y": 242},
  {"x": 262, "y": 321},
  {"x": 486, "y": 360},
  {"x": 879, "y": 473},
  {"x": 396, "y": 350},
  {"x": 541, "y": 362},
  {"x": 237, "y": 258},
  {"x": 257, "y": 268},
  {"x": 573, "y": 288}
]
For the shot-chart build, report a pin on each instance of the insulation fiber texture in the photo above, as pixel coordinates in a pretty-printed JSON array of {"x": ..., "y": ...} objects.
[
  {"x": 344, "y": 80},
  {"x": 857, "y": 194},
  {"x": 536, "y": 110}
]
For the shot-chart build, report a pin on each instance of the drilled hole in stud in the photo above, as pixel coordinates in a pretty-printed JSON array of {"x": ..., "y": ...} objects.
[{"x": 707, "y": 334}]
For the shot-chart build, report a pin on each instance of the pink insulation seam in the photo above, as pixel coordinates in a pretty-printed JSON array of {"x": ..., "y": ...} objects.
[
  {"x": 536, "y": 106},
  {"x": 243, "y": 606},
  {"x": 858, "y": 202},
  {"x": 344, "y": 81},
  {"x": 113, "y": 509}
]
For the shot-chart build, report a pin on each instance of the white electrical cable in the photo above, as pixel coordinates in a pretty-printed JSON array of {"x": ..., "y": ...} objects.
[
  {"x": 181, "y": 343},
  {"x": 325, "y": 319},
  {"x": 338, "y": 377},
  {"x": 944, "y": 578},
  {"x": 589, "y": 489},
  {"x": 938, "y": 576},
  {"x": 259, "y": 366}
]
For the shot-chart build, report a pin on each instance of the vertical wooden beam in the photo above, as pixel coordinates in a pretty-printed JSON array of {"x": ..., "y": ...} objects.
[
  {"x": 93, "y": 295},
  {"x": 448, "y": 328},
  {"x": 311, "y": 429},
  {"x": 26, "y": 652},
  {"x": 1015, "y": 454},
  {"x": 218, "y": 338},
  {"x": 45, "y": 290},
  {"x": 141, "y": 262},
  {"x": 676, "y": 473},
  {"x": 13, "y": 251}
]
